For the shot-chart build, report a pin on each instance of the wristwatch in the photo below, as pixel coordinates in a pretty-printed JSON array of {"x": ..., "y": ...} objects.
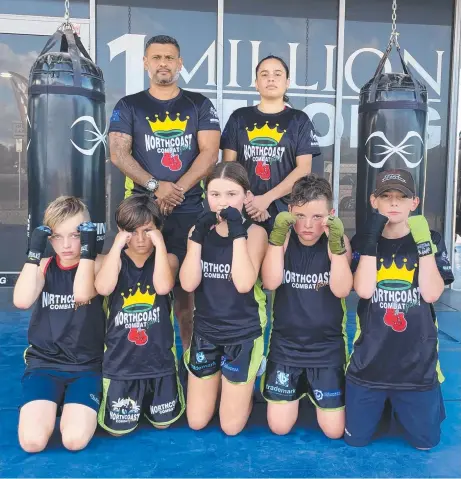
[{"x": 152, "y": 185}]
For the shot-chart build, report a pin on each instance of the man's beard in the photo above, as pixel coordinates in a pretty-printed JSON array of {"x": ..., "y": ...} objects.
[{"x": 165, "y": 81}]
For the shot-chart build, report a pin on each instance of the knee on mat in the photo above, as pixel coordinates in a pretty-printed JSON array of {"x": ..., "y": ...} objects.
[
  {"x": 197, "y": 423},
  {"x": 280, "y": 428},
  {"x": 74, "y": 440},
  {"x": 231, "y": 427},
  {"x": 33, "y": 443},
  {"x": 333, "y": 431}
]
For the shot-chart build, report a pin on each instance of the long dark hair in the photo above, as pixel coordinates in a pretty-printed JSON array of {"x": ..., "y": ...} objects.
[
  {"x": 230, "y": 170},
  {"x": 285, "y": 66}
]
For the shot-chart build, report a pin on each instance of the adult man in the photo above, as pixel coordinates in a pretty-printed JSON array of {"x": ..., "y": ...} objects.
[{"x": 165, "y": 140}]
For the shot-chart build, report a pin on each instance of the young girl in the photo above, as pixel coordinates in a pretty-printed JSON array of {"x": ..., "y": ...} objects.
[
  {"x": 66, "y": 332},
  {"x": 309, "y": 270},
  {"x": 273, "y": 142},
  {"x": 224, "y": 255}
]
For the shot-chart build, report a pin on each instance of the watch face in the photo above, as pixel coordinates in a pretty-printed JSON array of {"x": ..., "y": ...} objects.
[{"x": 152, "y": 185}]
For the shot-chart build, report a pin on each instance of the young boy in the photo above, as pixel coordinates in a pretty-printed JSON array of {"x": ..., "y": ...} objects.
[
  {"x": 139, "y": 367},
  {"x": 66, "y": 332},
  {"x": 309, "y": 269},
  {"x": 401, "y": 268}
]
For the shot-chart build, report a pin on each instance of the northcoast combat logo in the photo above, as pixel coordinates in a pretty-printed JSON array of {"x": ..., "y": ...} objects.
[
  {"x": 169, "y": 139},
  {"x": 138, "y": 315},
  {"x": 263, "y": 148},
  {"x": 395, "y": 294}
]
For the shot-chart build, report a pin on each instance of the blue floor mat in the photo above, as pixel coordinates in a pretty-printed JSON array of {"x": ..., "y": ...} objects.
[{"x": 181, "y": 452}]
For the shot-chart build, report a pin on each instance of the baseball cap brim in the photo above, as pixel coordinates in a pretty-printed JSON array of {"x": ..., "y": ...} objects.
[{"x": 403, "y": 189}]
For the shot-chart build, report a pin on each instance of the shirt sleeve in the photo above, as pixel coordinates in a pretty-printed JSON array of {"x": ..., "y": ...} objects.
[
  {"x": 308, "y": 144},
  {"x": 441, "y": 258},
  {"x": 122, "y": 118},
  {"x": 229, "y": 135},
  {"x": 208, "y": 116}
]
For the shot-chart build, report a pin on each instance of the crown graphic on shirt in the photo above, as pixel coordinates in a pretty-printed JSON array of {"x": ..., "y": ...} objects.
[
  {"x": 168, "y": 128},
  {"x": 138, "y": 302},
  {"x": 395, "y": 278},
  {"x": 265, "y": 136}
]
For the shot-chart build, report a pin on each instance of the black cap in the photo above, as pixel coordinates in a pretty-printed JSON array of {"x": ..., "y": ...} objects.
[{"x": 400, "y": 180}]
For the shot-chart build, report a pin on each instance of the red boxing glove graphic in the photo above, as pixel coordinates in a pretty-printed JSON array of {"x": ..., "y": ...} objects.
[
  {"x": 176, "y": 163},
  {"x": 172, "y": 162},
  {"x": 395, "y": 320},
  {"x": 138, "y": 336},
  {"x": 166, "y": 160},
  {"x": 263, "y": 170},
  {"x": 390, "y": 317},
  {"x": 133, "y": 335},
  {"x": 400, "y": 324},
  {"x": 142, "y": 337}
]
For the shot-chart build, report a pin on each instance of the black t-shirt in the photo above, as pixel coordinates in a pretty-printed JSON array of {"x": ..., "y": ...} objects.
[
  {"x": 222, "y": 314},
  {"x": 164, "y": 135},
  {"x": 61, "y": 336},
  {"x": 140, "y": 335},
  {"x": 309, "y": 320},
  {"x": 267, "y": 144},
  {"x": 396, "y": 341}
]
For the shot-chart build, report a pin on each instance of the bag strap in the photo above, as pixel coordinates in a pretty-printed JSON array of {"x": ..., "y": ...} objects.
[
  {"x": 379, "y": 69},
  {"x": 80, "y": 46},
  {"x": 71, "y": 43},
  {"x": 74, "y": 54},
  {"x": 51, "y": 41}
]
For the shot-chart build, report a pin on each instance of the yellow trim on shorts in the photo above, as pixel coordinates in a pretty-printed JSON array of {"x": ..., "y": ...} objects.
[
  {"x": 186, "y": 358},
  {"x": 284, "y": 401},
  {"x": 260, "y": 298},
  {"x": 102, "y": 410},
  {"x": 358, "y": 331},
  {"x": 324, "y": 408},
  {"x": 272, "y": 401},
  {"x": 257, "y": 354},
  {"x": 25, "y": 352}
]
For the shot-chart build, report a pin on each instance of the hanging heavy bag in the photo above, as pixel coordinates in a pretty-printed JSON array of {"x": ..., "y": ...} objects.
[
  {"x": 67, "y": 129},
  {"x": 391, "y": 131}
]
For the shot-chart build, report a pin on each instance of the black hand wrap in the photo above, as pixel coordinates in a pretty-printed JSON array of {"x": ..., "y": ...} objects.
[
  {"x": 38, "y": 241},
  {"x": 234, "y": 223}
]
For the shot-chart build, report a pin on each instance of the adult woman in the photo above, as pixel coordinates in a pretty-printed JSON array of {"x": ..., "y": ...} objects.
[{"x": 273, "y": 142}]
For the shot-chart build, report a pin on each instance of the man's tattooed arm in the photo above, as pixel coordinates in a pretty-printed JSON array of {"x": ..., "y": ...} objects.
[{"x": 120, "y": 154}]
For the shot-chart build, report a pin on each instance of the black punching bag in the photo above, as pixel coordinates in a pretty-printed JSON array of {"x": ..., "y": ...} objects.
[
  {"x": 391, "y": 132},
  {"x": 67, "y": 129}
]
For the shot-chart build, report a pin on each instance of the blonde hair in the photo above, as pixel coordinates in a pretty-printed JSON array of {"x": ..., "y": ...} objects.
[{"x": 63, "y": 208}]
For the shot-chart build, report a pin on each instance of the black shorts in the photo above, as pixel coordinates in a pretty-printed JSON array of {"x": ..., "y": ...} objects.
[
  {"x": 238, "y": 363},
  {"x": 323, "y": 386},
  {"x": 161, "y": 400},
  {"x": 419, "y": 412},
  {"x": 175, "y": 232}
]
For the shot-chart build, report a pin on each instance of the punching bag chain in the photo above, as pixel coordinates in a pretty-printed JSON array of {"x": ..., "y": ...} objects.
[
  {"x": 66, "y": 12},
  {"x": 394, "y": 34}
]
